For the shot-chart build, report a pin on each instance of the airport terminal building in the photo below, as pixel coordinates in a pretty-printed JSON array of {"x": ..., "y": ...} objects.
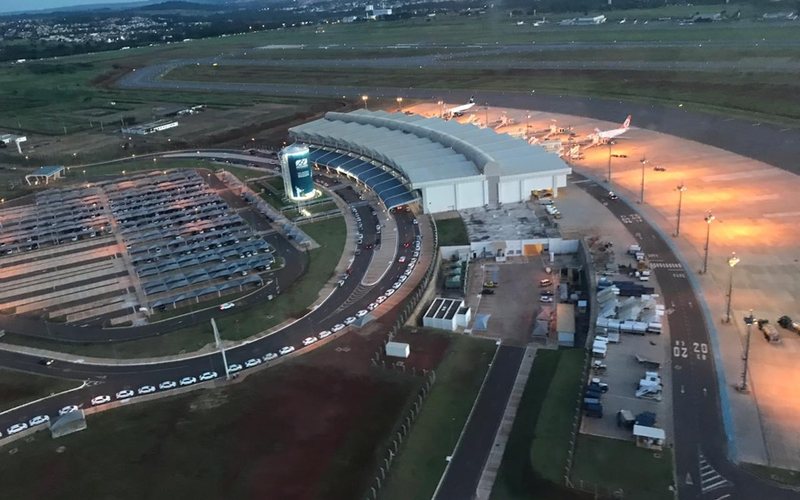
[{"x": 443, "y": 165}]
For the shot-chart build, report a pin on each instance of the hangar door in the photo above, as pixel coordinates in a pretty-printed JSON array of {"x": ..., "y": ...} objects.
[{"x": 533, "y": 249}]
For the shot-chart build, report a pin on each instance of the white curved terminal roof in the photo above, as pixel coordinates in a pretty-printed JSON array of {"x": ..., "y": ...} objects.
[{"x": 429, "y": 150}]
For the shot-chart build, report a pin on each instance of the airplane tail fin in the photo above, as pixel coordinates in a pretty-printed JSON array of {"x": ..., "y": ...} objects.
[
  {"x": 472, "y": 100},
  {"x": 627, "y": 122}
]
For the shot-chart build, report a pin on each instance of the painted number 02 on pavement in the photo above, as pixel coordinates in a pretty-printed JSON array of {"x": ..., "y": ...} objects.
[{"x": 683, "y": 350}]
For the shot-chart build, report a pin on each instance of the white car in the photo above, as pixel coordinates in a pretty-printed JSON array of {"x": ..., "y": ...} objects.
[
  {"x": 187, "y": 381},
  {"x": 167, "y": 384},
  {"x": 68, "y": 409},
  {"x": 546, "y": 299},
  {"x": 349, "y": 320},
  {"x": 234, "y": 367},
  {"x": 414, "y": 221},
  {"x": 286, "y": 350},
  {"x": 324, "y": 333},
  {"x": 100, "y": 400},
  {"x": 402, "y": 279},
  {"x": 362, "y": 313},
  {"x": 373, "y": 306},
  {"x": 397, "y": 284},
  {"x": 415, "y": 254},
  {"x": 17, "y": 428},
  {"x": 389, "y": 292},
  {"x": 381, "y": 299},
  {"x": 208, "y": 376},
  {"x": 147, "y": 389},
  {"x": 252, "y": 362},
  {"x": 401, "y": 259},
  {"x": 337, "y": 327},
  {"x": 226, "y": 306},
  {"x": 309, "y": 340},
  {"x": 39, "y": 420},
  {"x": 270, "y": 356},
  {"x": 125, "y": 393}
]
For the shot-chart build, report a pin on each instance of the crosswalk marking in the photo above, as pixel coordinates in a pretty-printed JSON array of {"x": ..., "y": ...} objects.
[
  {"x": 665, "y": 265},
  {"x": 710, "y": 479}
]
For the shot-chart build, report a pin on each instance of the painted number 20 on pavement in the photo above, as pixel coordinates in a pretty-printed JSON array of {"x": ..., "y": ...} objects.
[{"x": 683, "y": 350}]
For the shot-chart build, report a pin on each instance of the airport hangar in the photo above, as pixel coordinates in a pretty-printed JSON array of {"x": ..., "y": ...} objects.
[{"x": 443, "y": 165}]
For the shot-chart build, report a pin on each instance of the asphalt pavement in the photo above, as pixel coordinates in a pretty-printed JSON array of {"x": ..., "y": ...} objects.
[
  {"x": 703, "y": 468},
  {"x": 464, "y": 470},
  {"x": 109, "y": 379}
]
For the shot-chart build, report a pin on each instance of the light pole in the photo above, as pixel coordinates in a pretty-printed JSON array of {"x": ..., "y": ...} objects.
[
  {"x": 732, "y": 261},
  {"x": 441, "y": 108},
  {"x": 486, "y": 105},
  {"x": 609, "y": 164},
  {"x": 527, "y": 124},
  {"x": 365, "y": 98},
  {"x": 680, "y": 189},
  {"x": 748, "y": 320},
  {"x": 709, "y": 218},
  {"x": 399, "y": 104},
  {"x": 643, "y": 161}
]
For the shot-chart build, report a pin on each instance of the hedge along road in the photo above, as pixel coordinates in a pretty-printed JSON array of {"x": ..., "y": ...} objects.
[{"x": 769, "y": 143}]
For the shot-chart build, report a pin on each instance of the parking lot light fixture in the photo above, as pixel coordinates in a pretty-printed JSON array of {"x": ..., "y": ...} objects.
[
  {"x": 365, "y": 98},
  {"x": 709, "y": 218},
  {"x": 732, "y": 261},
  {"x": 643, "y": 161},
  {"x": 399, "y": 104},
  {"x": 680, "y": 189},
  {"x": 748, "y": 321}
]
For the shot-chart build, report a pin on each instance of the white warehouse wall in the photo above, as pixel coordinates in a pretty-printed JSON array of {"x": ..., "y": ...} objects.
[
  {"x": 470, "y": 194},
  {"x": 439, "y": 198},
  {"x": 509, "y": 191}
]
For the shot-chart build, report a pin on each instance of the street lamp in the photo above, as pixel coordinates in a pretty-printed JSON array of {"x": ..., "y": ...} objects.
[
  {"x": 748, "y": 320},
  {"x": 732, "y": 261},
  {"x": 643, "y": 161},
  {"x": 609, "y": 163},
  {"x": 527, "y": 124},
  {"x": 709, "y": 218},
  {"x": 680, "y": 189},
  {"x": 441, "y": 108},
  {"x": 399, "y": 104},
  {"x": 364, "y": 98}
]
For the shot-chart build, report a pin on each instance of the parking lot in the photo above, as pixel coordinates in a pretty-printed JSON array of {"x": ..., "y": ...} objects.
[{"x": 113, "y": 250}]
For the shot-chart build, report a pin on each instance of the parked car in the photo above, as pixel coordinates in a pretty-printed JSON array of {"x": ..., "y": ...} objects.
[
  {"x": 269, "y": 356},
  {"x": 39, "y": 420},
  {"x": 125, "y": 393},
  {"x": 67, "y": 409},
  {"x": 286, "y": 350},
  {"x": 545, "y": 282},
  {"x": 100, "y": 400},
  {"x": 349, "y": 320},
  {"x": 234, "y": 367},
  {"x": 146, "y": 389},
  {"x": 389, "y": 292},
  {"x": 372, "y": 306},
  {"x": 489, "y": 284},
  {"x": 187, "y": 381},
  {"x": 324, "y": 333},
  {"x": 381, "y": 299},
  {"x": 17, "y": 428},
  {"x": 309, "y": 340},
  {"x": 362, "y": 313},
  {"x": 250, "y": 363},
  {"x": 208, "y": 376},
  {"x": 167, "y": 384},
  {"x": 337, "y": 327}
]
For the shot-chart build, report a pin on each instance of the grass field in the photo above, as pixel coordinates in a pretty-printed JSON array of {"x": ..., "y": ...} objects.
[
  {"x": 550, "y": 445},
  {"x": 766, "y": 95},
  {"x": 613, "y": 465},
  {"x": 421, "y": 461},
  {"x": 293, "y": 302},
  {"x": 541, "y": 410},
  {"x": 293, "y": 431},
  {"x": 17, "y": 388},
  {"x": 452, "y": 232}
]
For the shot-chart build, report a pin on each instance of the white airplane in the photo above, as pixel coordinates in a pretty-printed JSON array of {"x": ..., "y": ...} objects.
[
  {"x": 459, "y": 110},
  {"x": 605, "y": 136}
]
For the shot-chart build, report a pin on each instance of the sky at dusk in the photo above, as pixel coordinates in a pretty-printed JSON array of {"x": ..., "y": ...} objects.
[{"x": 33, "y": 5}]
